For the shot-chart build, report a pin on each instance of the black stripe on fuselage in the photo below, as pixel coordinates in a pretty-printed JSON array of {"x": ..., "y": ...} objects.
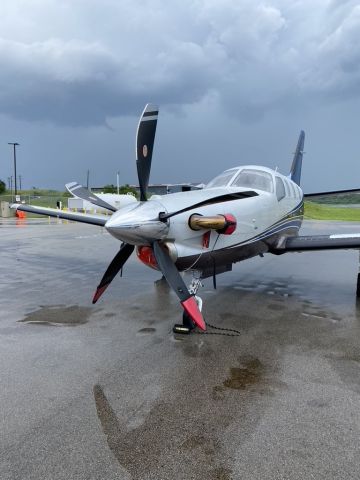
[{"x": 228, "y": 197}]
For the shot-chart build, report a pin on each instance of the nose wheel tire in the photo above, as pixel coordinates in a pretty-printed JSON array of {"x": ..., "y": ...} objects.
[{"x": 186, "y": 327}]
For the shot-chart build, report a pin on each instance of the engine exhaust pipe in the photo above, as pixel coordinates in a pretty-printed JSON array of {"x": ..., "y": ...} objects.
[{"x": 225, "y": 224}]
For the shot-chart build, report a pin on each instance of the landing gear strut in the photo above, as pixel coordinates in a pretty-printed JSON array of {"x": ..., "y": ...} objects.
[{"x": 188, "y": 325}]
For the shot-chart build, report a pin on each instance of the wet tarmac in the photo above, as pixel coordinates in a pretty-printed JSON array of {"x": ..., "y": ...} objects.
[{"x": 108, "y": 391}]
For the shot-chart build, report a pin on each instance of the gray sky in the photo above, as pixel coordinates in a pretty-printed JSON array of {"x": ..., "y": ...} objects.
[{"x": 236, "y": 80}]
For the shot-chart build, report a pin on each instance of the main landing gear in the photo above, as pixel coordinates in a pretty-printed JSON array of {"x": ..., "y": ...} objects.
[{"x": 188, "y": 325}]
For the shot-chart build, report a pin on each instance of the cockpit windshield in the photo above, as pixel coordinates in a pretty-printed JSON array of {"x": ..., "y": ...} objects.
[
  {"x": 223, "y": 179},
  {"x": 257, "y": 179}
]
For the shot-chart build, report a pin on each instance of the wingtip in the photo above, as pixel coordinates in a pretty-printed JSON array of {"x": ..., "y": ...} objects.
[{"x": 70, "y": 185}]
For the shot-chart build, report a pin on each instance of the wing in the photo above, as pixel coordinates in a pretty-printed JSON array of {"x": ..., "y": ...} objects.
[
  {"x": 81, "y": 192},
  {"x": 319, "y": 242},
  {"x": 54, "y": 212},
  {"x": 333, "y": 192}
]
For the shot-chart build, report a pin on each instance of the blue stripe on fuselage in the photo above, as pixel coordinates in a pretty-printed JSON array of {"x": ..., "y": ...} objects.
[{"x": 291, "y": 219}]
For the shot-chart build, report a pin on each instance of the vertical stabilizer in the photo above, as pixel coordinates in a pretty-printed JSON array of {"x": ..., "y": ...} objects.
[{"x": 295, "y": 171}]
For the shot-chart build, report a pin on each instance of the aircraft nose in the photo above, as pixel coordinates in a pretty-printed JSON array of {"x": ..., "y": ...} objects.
[{"x": 138, "y": 225}]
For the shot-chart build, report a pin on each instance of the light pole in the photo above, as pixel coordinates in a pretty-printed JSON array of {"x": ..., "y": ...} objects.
[{"x": 14, "y": 144}]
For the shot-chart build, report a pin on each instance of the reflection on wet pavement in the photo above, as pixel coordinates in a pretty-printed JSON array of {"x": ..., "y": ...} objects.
[
  {"x": 147, "y": 330},
  {"x": 59, "y": 315},
  {"x": 142, "y": 451}
]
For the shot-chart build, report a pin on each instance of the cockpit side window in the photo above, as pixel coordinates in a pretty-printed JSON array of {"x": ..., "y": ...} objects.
[
  {"x": 292, "y": 188},
  {"x": 254, "y": 179},
  {"x": 280, "y": 188},
  {"x": 222, "y": 180},
  {"x": 287, "y": 187}
]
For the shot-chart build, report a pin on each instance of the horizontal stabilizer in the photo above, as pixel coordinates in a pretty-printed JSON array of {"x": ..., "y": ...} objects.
[
  {"x": 54, "y": 212},
  {"x": 320, "y": 242}
]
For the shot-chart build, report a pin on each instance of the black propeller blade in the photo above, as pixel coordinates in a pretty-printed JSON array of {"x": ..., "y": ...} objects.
[
  {"x": 210, "y": 201},
  {"x": 81, "y": 192},
  {"x": 144, "y": 146},
  {"x": 113, "y": 269},
  {"x": 175, "y": 281}
]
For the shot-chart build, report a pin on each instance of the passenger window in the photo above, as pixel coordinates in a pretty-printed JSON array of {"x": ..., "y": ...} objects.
[{"x": 280, "y": 189}]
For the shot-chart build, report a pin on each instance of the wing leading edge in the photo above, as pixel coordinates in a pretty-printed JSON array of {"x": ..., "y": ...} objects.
[
  {"x": 99, "y": 220},
  {"x": 319, "y": 242},
  {"x": 332, "y": 192}
]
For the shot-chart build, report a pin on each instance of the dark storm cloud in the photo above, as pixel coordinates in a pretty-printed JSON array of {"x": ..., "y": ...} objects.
[{"x": 79, "y": 63}]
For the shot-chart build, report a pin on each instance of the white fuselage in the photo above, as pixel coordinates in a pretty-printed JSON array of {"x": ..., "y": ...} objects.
[{"x": 274, "y": 212}]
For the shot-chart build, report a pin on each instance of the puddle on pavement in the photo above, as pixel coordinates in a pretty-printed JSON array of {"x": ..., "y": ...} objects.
[
  {"x": 59, "y": 315},
  {"x": 243, "y": 377},
  {"x": 275, "y": 306},
  {"x": 222, "y": 473},
  {"x": 146, "y": 331}
]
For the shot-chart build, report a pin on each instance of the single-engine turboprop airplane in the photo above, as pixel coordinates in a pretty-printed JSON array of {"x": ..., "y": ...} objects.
[{"x": 243, "y": 212}]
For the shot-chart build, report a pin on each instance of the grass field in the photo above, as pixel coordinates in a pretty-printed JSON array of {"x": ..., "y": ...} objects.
[{"x": 317, "y": 211}]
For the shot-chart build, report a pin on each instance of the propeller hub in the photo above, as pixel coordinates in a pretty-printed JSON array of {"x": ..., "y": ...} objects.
[{"x": 138, "y": 224}]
